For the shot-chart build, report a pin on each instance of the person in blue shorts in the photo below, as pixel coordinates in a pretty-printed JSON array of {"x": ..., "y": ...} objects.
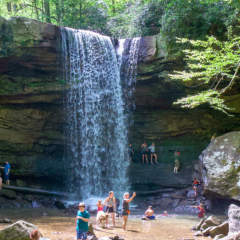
[
  {"x": 149, "y": 213},
  {"x": 7, "y": 168},
  {"x": 82, "y": 219}
]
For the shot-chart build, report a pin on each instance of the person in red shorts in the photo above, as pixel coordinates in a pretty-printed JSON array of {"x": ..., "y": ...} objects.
[
  {"x": 196, "y": 183},
  {"x": 201, "y": 210}
]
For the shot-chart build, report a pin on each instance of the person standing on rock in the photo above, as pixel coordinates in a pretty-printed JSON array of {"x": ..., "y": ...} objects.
[
  {"x": 201, "y": 210},
  {"x": 125, "y": 208},
  {"x": 153, "y": 153},
  {"x": 0, "y": 181},
  {"x": 82, "y": 220},
  {"x": 110, "y": 202},
  {"x": 196, "y": 183},
  {"x": 144, "y": 150},
  {"x": 7, "y": 168},
  {"x": 176, "y": 162},
  {"x": 130, "y": 152}
]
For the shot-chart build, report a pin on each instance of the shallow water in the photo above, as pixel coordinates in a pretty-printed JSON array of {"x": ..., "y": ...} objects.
[{"x": 58, "y": 225}]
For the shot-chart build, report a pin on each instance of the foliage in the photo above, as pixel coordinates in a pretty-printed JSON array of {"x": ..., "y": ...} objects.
[{"x": 214, "y": 64}]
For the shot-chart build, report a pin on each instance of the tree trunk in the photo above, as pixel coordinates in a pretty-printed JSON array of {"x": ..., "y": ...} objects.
[
  {"x": 113, "y": 6},
  {"x": 35, "y": 8},
  {"x": 47, "y": 11},
  {"x": 58, "y": 12},
  {"x": 9, "y": 7}
]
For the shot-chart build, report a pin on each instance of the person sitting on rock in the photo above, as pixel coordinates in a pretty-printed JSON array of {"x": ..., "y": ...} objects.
[
  {"x": 149, "y": 214},
  {"x": 176, "y": 162},
  {"x": 153, "y": 153},
  {"x": 144, "y": 152},
  {"x": 196, "y": 183},
  {"x": 201, "y": 210}
]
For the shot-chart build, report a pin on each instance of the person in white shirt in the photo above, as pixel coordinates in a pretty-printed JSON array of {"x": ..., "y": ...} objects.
[{"x": 153, "y": 153}]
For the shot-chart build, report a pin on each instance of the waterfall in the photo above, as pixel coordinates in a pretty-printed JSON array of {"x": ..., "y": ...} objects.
[
  {"x": 96, "y": 135},
  {"x": 128, "y": 51}
]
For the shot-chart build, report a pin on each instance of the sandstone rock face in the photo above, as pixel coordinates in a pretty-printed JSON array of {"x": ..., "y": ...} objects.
[
  {"x": 32, "y": 117},
  {"x": 221, "y": 166},
  {"x": 17, "y": 231}
]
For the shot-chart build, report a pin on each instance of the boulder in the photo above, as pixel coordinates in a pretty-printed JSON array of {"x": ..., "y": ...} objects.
[
  {"x": 232, "y": 236},
  {"x": 221, "y": 229},
  {"x": 221, "y": 166},
  {"x": 198, "y": 234},
  {"x": 234, "y": 218},
  {"x": 210, "y": 222},
  {"x": 17, "y": 231},
  {"x": 220, "y": 236},
  {"x": 199, "y": 225}
]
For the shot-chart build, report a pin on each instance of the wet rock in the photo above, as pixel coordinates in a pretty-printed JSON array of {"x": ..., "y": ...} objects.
[
  {"x": 36, "y": 204},
  {"x": 17, "y": 231},
  {"x": 59, "y": 204},
  {"x": 191, "y": 194},
  {"x": 221, "y": 229},
  {"x": 8, "y": 194}
]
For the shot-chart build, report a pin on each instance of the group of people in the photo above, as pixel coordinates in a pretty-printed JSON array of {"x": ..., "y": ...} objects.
[
  {"x": 145, "y": 151},
  {"x": 108, "y": 208},
  {"x": 6, "y": 175}
]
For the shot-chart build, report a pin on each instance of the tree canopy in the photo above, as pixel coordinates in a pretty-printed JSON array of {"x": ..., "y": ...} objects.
[{"x": 208, "y": 30}]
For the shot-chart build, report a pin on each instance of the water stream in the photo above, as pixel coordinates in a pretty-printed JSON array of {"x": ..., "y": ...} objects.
[{"x": 96, "y": 133}]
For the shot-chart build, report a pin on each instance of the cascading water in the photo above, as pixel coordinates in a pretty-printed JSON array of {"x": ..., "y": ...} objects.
[
  {"x": 128, "y": 51},
  {"x": 96, "y": 132}
]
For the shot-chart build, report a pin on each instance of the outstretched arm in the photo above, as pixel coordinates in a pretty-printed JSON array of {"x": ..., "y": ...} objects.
[{"x": 131, "y": 198}]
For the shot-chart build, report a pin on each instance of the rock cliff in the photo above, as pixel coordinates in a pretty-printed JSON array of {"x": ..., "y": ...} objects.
[{"x": 32, "y": 116}]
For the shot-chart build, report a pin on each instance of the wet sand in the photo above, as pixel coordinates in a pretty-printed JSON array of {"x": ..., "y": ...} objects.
[{"x": 56, "y": 225}]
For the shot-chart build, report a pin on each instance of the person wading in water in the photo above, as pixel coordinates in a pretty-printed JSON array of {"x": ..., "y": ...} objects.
[
  {"x": 125, "y": 208},
  {"x": 110, "y": 202}
]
